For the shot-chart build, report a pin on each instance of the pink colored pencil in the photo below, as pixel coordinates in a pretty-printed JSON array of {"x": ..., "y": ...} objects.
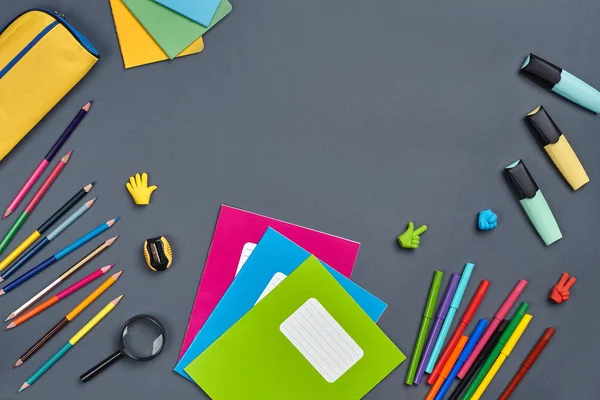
[
  {"x": 47, "y": 160},
  {"x": 59, "y": 296},
  {"x": 500, "y": 314}
]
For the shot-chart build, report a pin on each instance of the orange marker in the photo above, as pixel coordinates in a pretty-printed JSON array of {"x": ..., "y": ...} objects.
[{"x": 447, "y": 368}]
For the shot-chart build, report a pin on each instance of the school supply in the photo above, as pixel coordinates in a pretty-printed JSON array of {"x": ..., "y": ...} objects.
[
  {"x": 157, "y": 253},
  {"x": 504, "y": 353},
  {"x": 427, "y": 315},
  {"x": 528, "y": 363},
  {"x": 487, "y": 220},
  {"x": 561, "y": 82},
  {"x": 236, "y": 235},
  {"x": 41, "y": 71},
  {"x": 46, "y": 240},
  {"x": 464, "y": 354},
  {"x": 485, "y": 367},
  {"x": 560, "y": 291},
  {"x": 433, "y": 390},
  {"x": 34, "y": 202},
  {"x": 69, "y": 317},
  {"x": 201, "y": 12},
  {"x": 274, "y": 258},
  {"x": 138, "y": 189},
  {"x": 142, "y": 339},
  {"x": 137, "y": 46},
  {"x": 410, "y": 238},
  {"x": 72, "y": 342},
  {"x": 172, "y": 31},
  {"x": 533, "y": 202},
  {"x": 433, "y": 368},
  {"x": 59, "y": 296},
  {"x": 93, "y": 254},
  {"x": 464, "y": 383},
  {"x": 45, "y": 226},
  {"x": 47, "y": 159},
  {"x": 439, "y": 319},
  {"x": 557, "y": 147},
  {"x": 282, "y": 342},
  {"x": 513, "y": 296}
]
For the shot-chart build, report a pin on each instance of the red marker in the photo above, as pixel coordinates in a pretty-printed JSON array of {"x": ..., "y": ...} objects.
[
  {"x": 528, "y": 363},
  {"x": 465, "y": 320}
]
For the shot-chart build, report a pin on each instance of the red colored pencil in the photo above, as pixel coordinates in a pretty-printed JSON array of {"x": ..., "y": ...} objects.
[
  {"x": 465, "y": 320},
  {"x": 59, "y": 296},
  {"x": 528, "y": 363}
]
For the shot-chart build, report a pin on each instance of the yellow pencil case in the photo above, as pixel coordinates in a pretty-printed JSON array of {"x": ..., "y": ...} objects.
[{"x": 42, "y": 57}]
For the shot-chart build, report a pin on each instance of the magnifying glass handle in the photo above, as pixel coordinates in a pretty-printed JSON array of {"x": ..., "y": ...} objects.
[{"x": 90, "y": 373}]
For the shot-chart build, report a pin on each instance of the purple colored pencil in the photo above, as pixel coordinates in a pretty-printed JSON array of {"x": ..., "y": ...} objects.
[{"x": 437, "y": 326}]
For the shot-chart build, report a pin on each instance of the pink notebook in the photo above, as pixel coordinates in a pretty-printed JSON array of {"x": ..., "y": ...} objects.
[{"x": 236, "y": 235}]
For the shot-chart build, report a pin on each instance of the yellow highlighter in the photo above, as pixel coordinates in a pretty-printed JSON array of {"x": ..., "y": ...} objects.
[
  {"x": 506, "y": 350},
  {"x": 558, "y": 148}
]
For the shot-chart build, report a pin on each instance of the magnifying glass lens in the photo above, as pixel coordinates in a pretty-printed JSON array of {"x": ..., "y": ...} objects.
[{"x": 142, "y": 338}]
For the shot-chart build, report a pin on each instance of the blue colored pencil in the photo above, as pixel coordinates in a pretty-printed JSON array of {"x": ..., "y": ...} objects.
[{"x": 57, "y": 256}]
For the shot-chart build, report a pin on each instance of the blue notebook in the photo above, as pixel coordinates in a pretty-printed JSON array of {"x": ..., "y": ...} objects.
[
  {"x": 200, "y": 11},
  {"x": 273, "y": 259}
]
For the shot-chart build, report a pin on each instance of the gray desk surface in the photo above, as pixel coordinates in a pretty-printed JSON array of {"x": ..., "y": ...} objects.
[{"x": 351, "y": 117}]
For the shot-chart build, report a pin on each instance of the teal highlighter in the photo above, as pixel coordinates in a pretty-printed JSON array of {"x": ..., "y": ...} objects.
[
  {"x": 456, "y": 300},
  {"x": 561, "y": 82},
  {"x": 533, "y": 202}
]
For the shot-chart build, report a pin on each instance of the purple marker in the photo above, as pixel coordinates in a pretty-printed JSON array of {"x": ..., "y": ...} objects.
[{"x": 439, "y": 320}]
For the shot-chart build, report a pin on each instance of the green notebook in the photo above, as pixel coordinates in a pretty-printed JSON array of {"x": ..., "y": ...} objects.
[
  {"x": 307, "y": 339},
  {"x": 173, "y": 32}
]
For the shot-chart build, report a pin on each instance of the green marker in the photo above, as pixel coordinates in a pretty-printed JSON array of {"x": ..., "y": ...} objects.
[
  {"x": 427, "y": 316},
  {"x": 497, "y": 349}
]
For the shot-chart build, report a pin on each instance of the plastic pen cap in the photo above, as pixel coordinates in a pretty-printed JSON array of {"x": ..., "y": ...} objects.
[
  {"x": 514, "y": 338},
  {"x": 475, "y": 301},
  {"x": 522, "y": 180},
  {"x": 462, "y": 285},
  {"x": 543, "y": 125},
  {"x": 541, "y": 71},
  {"x": 450, "y": 290},
  {"x": 539, "y": 347},
  {"x": 514, "y": 322},
  {"x": 511, "y": 299},
  {"x": 475, "y": 335},
  {"x": 433, "y": 294}
]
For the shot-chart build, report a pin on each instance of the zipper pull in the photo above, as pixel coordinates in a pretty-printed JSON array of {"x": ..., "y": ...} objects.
[{"x": 59, "y": 15}]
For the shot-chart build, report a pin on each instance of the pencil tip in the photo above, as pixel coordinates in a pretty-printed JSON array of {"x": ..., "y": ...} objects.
[
  {"x": 19, "y": 362},
  {"x": 2, "y": 292},
  {"x": 111, "y": 222},
  {"x": 117, "y": 300},
  {"x": 88, "y": 105},
  {"x": 10, "y": 316},
  {"x": 89, "y": 186},
  {"x": 111, "y": 240},
  {"x": 23, "y": 387},
  {"x": 117, "y": 275},
  {"x": 1, "y": 279},
  {"x": 7, "y": 213},
  {"x": 10, "y": 326},
  {"x": 66, "y": 157},
  {"x": 89, "y": 203}
]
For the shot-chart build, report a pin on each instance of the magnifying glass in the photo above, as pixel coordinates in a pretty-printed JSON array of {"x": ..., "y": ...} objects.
[{"x": 142, "y": 339}]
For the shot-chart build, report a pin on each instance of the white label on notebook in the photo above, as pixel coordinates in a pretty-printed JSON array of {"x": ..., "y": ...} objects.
[
  {"x": 321, "y": 340},
  {"x": 275, "y": 280},
  {"x": 246, "y": 251}
]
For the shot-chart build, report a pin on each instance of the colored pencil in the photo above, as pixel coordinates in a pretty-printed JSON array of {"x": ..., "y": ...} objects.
[
  {"x": 464, "y": 383},
  {"x": 93, "y": 254},
  {"x": 45, "y": 226},
  {"x": 504, "y": 353},
  {"x": 47, "y": 160},
  {"x": 69, "y": 317},
  {"x": 456, "y": 300},
  {"x": 447, "y": 367},
  {"x": 465, "y": 320},
  {"x": 80, "y": 284},
  {"x": 464, "y": 354},
  {"x": 513, "y": 296},
  {"x": 57, "y": 256},
  {"x": 34, "y": 202},
  {"x": 72, "y": 342},
  {"x": 434, "y": 290},
  {"x": 46, "y": 240},
  {"x": 528, "y": 363},
  {"x": 487, "y": 364}
]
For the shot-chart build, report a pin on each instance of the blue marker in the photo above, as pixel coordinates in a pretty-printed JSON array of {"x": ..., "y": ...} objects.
[
  {"x": 458, "y": 295},
  {"x": 462, "y": 358}
]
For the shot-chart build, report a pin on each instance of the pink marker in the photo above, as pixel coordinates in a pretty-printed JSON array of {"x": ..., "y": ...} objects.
[{"x": 500, "y": 314}]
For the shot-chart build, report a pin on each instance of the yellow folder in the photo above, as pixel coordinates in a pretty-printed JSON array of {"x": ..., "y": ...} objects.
[{"x": 137, "y": 46}]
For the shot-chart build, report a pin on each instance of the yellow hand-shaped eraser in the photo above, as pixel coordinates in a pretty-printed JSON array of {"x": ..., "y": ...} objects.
[{"x": 139, "y": 190}]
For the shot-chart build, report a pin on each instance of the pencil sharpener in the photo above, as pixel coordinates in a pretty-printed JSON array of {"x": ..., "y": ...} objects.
[{"x": 157, "y": 253}]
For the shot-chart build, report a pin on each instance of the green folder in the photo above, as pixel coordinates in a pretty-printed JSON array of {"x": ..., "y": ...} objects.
[
  {"x": 173, "y": 32},
  {"x": 307, "y": 339}
]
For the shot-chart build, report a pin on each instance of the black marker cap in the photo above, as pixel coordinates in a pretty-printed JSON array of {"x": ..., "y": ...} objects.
[
  {"x": 541, "y": 71},
  {"x": 545, "y": 128},
  {"x": 522, "y": 180}
]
